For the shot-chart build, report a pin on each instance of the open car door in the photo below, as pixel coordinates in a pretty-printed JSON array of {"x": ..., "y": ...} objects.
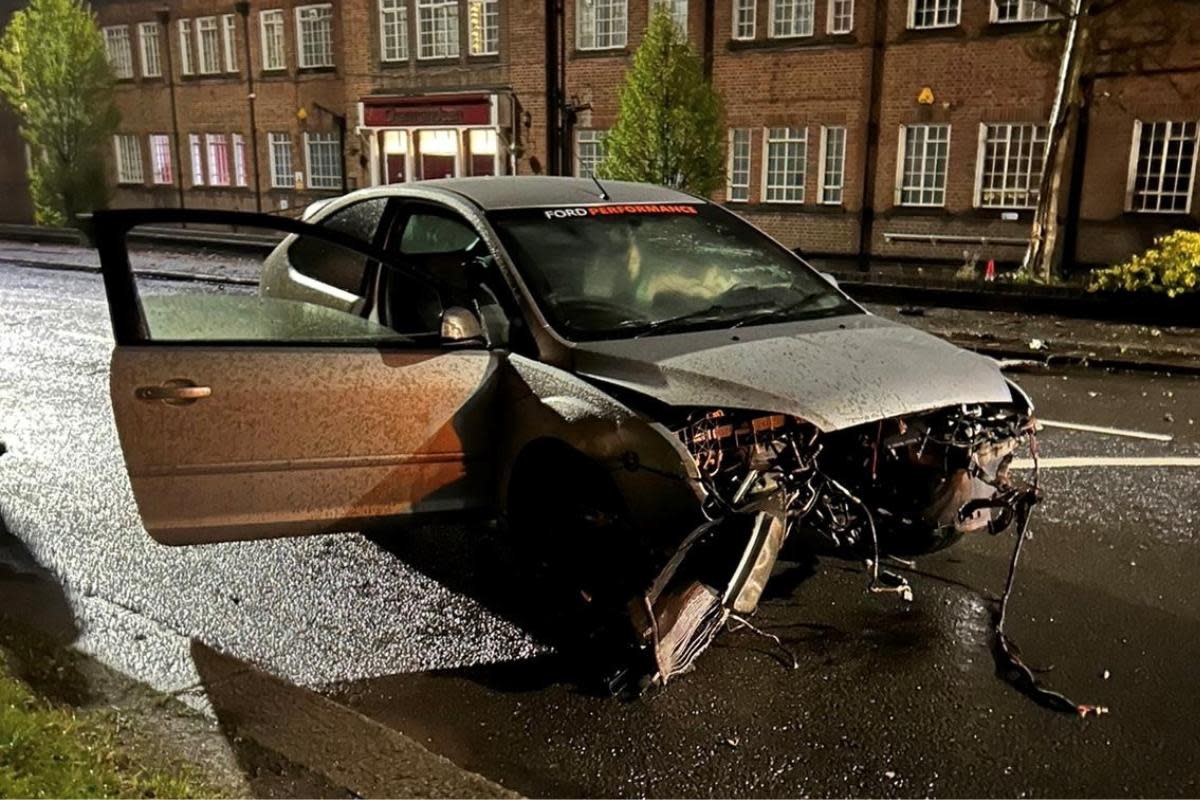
[{"x": 243, "y": 416}]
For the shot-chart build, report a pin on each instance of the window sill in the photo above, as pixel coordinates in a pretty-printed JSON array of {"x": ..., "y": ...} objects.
[
  {"x": 793, "y": 43},
  {"x": 607, "y": 52},
  {"x": 995, "y": 28},
  {"x": 330, "y": 70},
  {"x": 955, "y": 32},
  {"x": 438, "y": 61}
]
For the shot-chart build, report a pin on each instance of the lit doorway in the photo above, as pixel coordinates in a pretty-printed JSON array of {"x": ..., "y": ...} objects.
[{"x": 394, "y": 147}]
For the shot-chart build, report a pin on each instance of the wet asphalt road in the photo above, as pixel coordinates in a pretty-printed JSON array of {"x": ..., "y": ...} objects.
[{"x": 429, "y": 631}]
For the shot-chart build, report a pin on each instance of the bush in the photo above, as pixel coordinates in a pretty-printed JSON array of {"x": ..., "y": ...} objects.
[{"x": 1172, "y": 267}]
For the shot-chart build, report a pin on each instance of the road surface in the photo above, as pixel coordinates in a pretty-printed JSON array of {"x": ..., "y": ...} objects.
[{"x": 436, "y": 633}]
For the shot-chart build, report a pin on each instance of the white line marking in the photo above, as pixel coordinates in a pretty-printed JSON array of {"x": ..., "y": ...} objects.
[
  {"x": 1069, "y": 462},
  {"x": 1079, "y": 426}
]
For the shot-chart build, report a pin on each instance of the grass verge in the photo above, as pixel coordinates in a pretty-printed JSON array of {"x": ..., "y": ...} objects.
[{"x": 52, "y": 750}]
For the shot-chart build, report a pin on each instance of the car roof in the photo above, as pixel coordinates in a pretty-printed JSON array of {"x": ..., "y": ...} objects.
[{"x": 536, "y": 191}]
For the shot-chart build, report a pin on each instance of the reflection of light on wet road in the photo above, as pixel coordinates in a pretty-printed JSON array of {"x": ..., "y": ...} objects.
[{"x": 1071, "y": 462}]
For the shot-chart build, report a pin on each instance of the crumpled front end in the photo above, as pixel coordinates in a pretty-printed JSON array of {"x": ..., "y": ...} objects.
[{"x": 899, "y": 486}]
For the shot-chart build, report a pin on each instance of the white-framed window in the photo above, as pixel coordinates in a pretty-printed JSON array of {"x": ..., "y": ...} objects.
[
  {"x": 1011, "y": 159},
  {"x": 677, "y": 9},
  {"x": 161, "y": 169},
  {"x": 934, "y": 13},
  {"x": 208, "y": 45},
  {"x": 186, "y": 64},
  {"x": 279, "y": 153},
  {"x": 589, "y": 151},
  {"x": 323, "y": 157},
  {"x": 483, "y": 27},
  {"x": 437, "y": 28},
  {"x": 196, "y": 152},
  {"x": 841, "y": 16},
  {"x": 217, "y": 146},
  {"x": 738, "y": 187},
  {"x": 229, "y": 40},
  {"x": 785, "y": 155},
  {"x": 792, "y": 18},
  {"x": 832, "y": 161},
  {"x": 270, "y": 29},
  {"x": 393, "y": 30},
  {"x": 314, "y": 36},
  {"x": 1162, "y": 167},
  {"x": 120, "y": 51},
  {"x": 1022, "y": 11},
  {"x": 148, "y": 41},
  {"x": 601, "y": 24},
  {"x": 924, "y": 154},
  {"x": 239, "y": 159},
  {"x": 744, "y": 13},
  {"x": 129, "y": 158}
]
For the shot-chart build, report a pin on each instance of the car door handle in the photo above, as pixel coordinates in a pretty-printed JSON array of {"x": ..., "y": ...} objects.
[{"x": 177, "y": 392}]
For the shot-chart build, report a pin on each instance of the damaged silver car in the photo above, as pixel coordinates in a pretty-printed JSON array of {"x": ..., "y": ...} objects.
[{"x": 655, "y": 395}]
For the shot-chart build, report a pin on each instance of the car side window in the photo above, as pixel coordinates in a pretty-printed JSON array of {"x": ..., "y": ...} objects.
[
  {"x": 436, "y": 233},
  {"x": 335, "y": 266}
]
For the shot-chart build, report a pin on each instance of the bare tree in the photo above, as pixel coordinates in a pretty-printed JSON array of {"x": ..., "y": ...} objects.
[{"x": 1096, "y": 35}]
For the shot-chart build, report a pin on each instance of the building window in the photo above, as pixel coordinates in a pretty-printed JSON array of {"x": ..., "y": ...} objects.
[
  {"x": 314, "y": 36},
  {"x": 196, "y": 151},
  {"x": 833, "y": 164},
  {"x": 120, "y": 53},
  {"x": 185, "y": 47},
  {"x": 601, "y": 24},
  {"x": 677, "y": 9},
  {"x": 924, "y": 154},
  {"x": 1163, "y": 167},
  {"x": 743, "y": 19},
  {"x": 437, "y": 28},
  {"x": 324, "y": 156},
  {"x": 933, "y": 13},
  {"x": 792, "y": 18},
  {"x": 148, "y": 39},
  {"x": 482, "y": 147},
  {"x": 218, "y": 159},
  {"x": 1011, "y": 168},
  {"x": 483, "y": 17},
  {"x": 1021, "y": 11},
  {"x": 160, "y": 159},
  {"x": 208, "y": 45},
  {"x": 786, "y": 151},
  {"x": 239, "y": 159},
  {"x": 738, "y": 190},
  {"x": 393, "y": 30},
  {"x": 229, "y": 39},
  {"x": 841, "y": 16},
  {"x": 589, "y": 151},
  {"x": 270, "y": 26},
  {"x": 129, "y": 159},
  {"x": 280, "y": 155}
]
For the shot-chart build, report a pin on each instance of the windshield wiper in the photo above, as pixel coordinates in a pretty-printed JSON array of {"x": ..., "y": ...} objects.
[
  {"x": 714, "y": 310},
  {"x": 782, "y": 311}
]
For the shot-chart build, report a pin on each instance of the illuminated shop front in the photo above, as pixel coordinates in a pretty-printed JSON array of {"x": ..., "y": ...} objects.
[{"x": 412, "y": 138}]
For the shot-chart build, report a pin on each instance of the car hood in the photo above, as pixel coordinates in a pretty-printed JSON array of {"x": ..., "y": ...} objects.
[{"x": 835, "y": 373}]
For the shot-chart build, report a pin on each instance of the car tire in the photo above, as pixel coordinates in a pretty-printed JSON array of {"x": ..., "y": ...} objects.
[{"x": 567, "y": 517}]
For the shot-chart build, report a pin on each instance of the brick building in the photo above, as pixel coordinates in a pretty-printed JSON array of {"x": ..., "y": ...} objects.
[{"x": 906, "y": 128}]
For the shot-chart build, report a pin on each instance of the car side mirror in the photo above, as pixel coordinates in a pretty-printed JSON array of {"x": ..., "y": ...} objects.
[
  {"x": 460, "y": 326},
  {"x": 829, "y": 277}
]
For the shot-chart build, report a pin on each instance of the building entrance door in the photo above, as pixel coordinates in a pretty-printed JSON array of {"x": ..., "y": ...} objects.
[{"x": 394, "y": 149}]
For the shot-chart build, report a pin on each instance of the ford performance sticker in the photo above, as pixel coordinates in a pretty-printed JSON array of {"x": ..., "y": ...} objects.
[{"x": 625, "y": 208}]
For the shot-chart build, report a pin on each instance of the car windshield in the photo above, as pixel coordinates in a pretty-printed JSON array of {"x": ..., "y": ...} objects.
[{"x": 623, "y": 270}]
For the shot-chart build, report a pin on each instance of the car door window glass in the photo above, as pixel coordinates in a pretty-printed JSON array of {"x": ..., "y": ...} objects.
[
  {"x": 335, "y": 266},
  {"x": 193, "y": 286}
]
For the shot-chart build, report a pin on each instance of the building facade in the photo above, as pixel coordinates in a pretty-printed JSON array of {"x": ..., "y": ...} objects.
[{"x": 903, "y": 129}]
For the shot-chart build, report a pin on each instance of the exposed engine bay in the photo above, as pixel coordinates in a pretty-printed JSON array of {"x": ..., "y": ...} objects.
[{"x": 898, "y": 487}]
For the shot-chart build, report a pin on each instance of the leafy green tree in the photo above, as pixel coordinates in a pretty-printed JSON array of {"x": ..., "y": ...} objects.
[
  {"x": 669, "y": 128},
  {"x": 54, "y": 71}
]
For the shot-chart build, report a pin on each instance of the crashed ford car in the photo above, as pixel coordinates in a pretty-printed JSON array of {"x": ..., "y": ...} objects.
[{"x": 653, "y": 394}]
